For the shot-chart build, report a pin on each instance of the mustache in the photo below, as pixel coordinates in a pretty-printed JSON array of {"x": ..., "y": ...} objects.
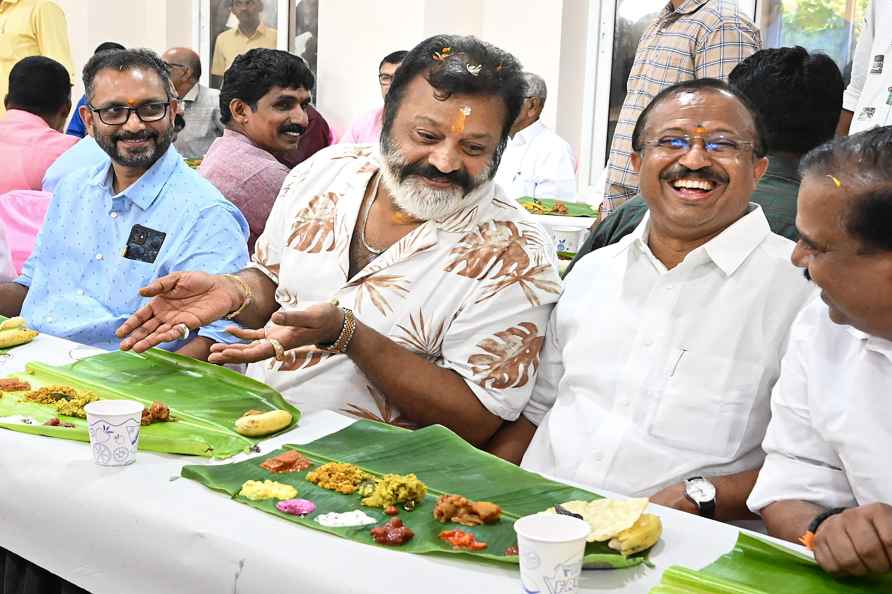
[
  {"x": 144, "y": 135},
  {"x": 679, "y": 171},
  {"x": 292, "y": 128},
  {"x": 459, "y": 177}
]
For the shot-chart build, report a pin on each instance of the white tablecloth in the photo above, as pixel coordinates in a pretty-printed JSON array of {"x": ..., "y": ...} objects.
[{"x": 142, "y": 529}]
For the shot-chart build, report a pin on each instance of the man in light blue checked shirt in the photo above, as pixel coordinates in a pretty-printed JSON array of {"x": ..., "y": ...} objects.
[{"x": 114, "y": 227}]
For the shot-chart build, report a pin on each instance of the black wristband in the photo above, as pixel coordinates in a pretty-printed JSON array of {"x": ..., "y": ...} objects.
[{"x": 819, "y": 519}]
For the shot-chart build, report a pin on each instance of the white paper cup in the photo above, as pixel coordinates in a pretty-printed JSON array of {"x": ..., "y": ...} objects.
[
  {"x": 567, "y": 239},
  {"x": 114, "y": 430},
  {"x": 550, "y": 547}
]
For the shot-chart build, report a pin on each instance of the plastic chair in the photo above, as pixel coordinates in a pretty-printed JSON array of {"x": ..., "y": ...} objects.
[{"x": 22, "y": 213}]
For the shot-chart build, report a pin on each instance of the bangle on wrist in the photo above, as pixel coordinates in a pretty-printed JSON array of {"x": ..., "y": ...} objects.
[
  {"x": 248, "y": 295},
  {"x": 808, "y": 539},
  {"x": 342, "y": 342}
]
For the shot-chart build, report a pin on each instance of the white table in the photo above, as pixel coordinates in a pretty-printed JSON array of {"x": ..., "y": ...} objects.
[{"x": 141, "y": 529}]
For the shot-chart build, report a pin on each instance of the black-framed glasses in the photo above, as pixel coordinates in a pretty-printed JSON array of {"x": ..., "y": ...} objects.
[
  {"x": 720, "y": 146},
  {"x": 119, "y": 114},
  {"x": 385, "y": 79}
]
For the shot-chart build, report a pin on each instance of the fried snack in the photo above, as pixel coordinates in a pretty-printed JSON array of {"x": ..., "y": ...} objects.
[
  {"x": 157, "y": 413},
  {"x": 66, "y": 400},
  {"x": 607, "y": 517},
  {"x": 641, "y": 536},
  {"x": 11, "y": 384},
  {"x": 338, "y": 476},
  {"x": 257, "y": 424},
  {"x": 14, "y": 332},
  {"x": 391, "y": 489},
  {"x": 560, "y": 208},
  {"x": 461, "y": 510}
]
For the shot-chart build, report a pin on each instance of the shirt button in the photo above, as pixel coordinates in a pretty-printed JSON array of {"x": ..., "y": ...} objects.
[
  {"x": 669, "y": 287},
  {"x": 80, "y": 291},
  {"x": 648, "y": 342},
  {"x": 98, "y": 256},
  {"x": 114, "y": 215},
  {"x": 625, "y": 402},
  {"x": 49, "y": 319}
]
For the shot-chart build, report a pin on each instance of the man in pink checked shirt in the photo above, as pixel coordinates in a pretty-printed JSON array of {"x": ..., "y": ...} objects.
[
  {"x": 37, "y": 105},
  {"x": 366, "y": 129}
]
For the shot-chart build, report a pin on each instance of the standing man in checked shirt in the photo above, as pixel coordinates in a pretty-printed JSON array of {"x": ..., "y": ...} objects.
[{"x": 690, "y": 39}]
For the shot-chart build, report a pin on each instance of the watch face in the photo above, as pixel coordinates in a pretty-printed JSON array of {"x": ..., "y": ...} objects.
[{"x": 700, "y": 490}]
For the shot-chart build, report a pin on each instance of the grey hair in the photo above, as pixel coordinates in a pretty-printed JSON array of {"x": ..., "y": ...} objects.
[{"x": 535, "y": 86}]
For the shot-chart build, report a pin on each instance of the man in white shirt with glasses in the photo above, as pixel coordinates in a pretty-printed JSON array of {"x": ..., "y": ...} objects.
[{"x": 662, "y": 350}]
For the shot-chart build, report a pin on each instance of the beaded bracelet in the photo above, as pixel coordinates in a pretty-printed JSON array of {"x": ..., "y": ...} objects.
[{"x": 808, "y": 539}]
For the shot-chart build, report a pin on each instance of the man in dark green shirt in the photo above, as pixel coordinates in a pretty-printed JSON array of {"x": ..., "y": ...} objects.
[{"x": 799, "y": 97}]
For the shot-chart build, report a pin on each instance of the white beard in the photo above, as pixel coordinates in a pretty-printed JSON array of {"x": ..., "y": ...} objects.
[{"x": 424, "y": 203}]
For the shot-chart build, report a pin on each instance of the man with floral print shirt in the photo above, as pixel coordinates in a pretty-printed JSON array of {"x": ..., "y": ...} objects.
[{"x": 393, "y": 282}]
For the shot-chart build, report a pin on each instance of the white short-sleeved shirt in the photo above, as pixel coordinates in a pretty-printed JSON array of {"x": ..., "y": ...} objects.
[
  {"x": 471, "y": 293},
  {"x": 650, "y": 375},
  {"x": 831, "y": 418},
  {"x": 538, "y": 163},
  {"x": 869, "y": 94}
]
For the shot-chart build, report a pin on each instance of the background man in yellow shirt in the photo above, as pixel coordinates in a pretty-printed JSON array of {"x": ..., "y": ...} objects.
[
  {"x": 250, "y": 34},
  {"x": 31, "y": 28}
]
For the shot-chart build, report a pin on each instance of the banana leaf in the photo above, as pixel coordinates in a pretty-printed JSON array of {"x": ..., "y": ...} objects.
[
  {"x": 442, "y": 460},
  {"x": 205, "y": 400},
  {"x": 547, "y": 207},
  {"x": 755, "y": 566}
]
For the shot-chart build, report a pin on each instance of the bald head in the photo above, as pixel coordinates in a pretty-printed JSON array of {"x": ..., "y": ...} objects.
[{"x": 185, "y": 68}]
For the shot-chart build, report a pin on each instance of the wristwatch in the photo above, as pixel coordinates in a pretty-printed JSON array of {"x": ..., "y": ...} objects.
[{"x": 702, "y": 493}]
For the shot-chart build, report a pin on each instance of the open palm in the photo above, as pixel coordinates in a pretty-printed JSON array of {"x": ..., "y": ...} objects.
[{"x": 192, "y": 298}]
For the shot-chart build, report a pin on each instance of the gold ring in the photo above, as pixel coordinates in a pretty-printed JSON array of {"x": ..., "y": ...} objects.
[
  {"x": 184, "y": 329},
  {"x": 277, "y": 347}
]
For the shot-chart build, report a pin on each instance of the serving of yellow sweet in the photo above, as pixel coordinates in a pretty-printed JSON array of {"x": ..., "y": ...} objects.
[{"x": 261, "y": 490}]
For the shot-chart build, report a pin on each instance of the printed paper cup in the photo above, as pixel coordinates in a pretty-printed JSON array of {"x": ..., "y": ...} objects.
[
  {"x": 114, "y": 430},
  {"x": 550, "y": 547}
]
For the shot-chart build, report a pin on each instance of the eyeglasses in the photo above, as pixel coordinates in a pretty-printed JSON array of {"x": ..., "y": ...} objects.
[
  {"x": 119, "y": 114},
  {"x": 719, "y": 146},
  {"x": 172, "y": 65},
  {"x": 385, "y": 79}
]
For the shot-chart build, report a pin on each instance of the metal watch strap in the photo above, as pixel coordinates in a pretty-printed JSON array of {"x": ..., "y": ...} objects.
[{"x": 343, "y": 341}]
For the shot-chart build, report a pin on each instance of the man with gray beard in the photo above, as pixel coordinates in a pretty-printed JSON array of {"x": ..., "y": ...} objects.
[
  {"x": 398, "y": 285},
  {"x": 116, "y": 226}
]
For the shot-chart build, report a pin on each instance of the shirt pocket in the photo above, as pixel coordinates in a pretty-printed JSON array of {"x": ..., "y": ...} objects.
[
  {"x": 125, "y": 281},
  {"x": 704, "y": 404},
  {"x": 16, "y": 40}
]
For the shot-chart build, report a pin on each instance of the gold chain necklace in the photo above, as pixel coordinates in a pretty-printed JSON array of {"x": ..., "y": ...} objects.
[{"x": 365, "y": 219}]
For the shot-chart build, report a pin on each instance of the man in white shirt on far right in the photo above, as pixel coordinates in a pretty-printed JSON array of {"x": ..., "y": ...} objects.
[
  {"x": 536, "y": 162},
  {"x": 661, "y": 352},
  {"x": 826, "y": 477},
  {"x": 867, "y": 101}
]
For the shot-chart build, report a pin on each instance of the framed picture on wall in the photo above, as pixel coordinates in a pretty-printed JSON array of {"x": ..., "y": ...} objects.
[{"x": 228, "y": 28}]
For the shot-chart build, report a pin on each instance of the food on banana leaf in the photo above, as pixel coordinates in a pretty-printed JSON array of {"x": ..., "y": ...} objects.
[
  {"x": 55, "y": 422},
  {"x": 511, "y": 551},
  {"x": 12, "y": 384},
  {"x": 296, "y": 507},
  {"x": 641, "y": 536},
  {"x": 346, "y": 520},
  {"x": 257, "y": 424},
  {"x": 290, "y": 461},
  {"x": 459, "y": 539},
  {"x": 607, "y": 517},
  {"x": 157, "y": 413},
  {"x": 338, "y": 476},
  {"x": 391, "y": 510},
  {"x": 261, "y": 490},
  {"x": 392, "y": 533},
  {"x": 14, "y": 332},
  {"x": 66, "y": 400},
  {"x": 391, "y": 489},
  {"x": 461, "y": 510}
]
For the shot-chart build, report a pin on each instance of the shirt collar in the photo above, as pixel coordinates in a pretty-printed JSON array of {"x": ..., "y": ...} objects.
[
  {"x": 529, "y": 133},
  {"x": 780, "y": 166},
  {"x": 727, "y": 250},
  {"x": 688, "y": 7},
  {"x": 261, "y": 30},
  {"x": 873, "y": 343},
  {"x": 148, "y": 187},
  {"x": 25, "y": 117},
  {"x": 192, "y": 95}
]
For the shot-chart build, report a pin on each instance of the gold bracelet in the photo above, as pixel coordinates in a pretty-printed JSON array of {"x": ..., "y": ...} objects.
[
  {"x": 246, "y": 290},
  {"x": 347, "y": 329}
]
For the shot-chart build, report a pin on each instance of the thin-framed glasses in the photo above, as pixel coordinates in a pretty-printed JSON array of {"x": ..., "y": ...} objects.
[
  {"x": 119, "y": 114},
  {"x": 720, "y": 146},
  {"x": 174, "y": 65}
]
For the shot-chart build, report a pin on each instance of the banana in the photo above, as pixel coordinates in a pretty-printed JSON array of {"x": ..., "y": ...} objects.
[
  {"x": 259, "y": 424},
  {"x": 16, "y": 336},
  {"x": 13, "y": 323},
  {"x": 641, "y": 536}
]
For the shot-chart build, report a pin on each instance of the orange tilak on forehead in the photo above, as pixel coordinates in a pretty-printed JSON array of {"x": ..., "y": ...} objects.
[
  {"x": 458, "y": 124},
  {"x": 131, "y": 102},
  {"x": 699, "y": 130}
]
